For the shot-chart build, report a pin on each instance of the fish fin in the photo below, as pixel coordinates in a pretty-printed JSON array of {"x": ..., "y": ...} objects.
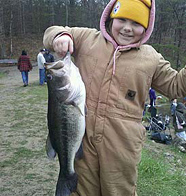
[
  {"x": 81, "y": 110},
  {"x": 86, "y": 110},
  {"x": 65, "y": 186},
  {"x": 67, "y": 59},
  {"x": 79, "y": 153},
  {"x": 51, "y": 153},
  {"x": 81, "y": 107}
]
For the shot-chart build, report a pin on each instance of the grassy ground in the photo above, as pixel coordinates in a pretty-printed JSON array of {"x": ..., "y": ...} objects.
[
  {"x": 24, "y": 167},
  {"x": 162, "y": 171}
]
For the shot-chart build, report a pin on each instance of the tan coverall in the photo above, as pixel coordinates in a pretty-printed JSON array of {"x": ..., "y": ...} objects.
[{"x": 114, "y": 134}]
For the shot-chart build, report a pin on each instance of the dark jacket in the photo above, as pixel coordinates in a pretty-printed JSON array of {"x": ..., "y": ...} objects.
[
  {"x": 179, "y": 118},
  {"x": 152, "y": 96},
  {"x": 49, "y": 57}
]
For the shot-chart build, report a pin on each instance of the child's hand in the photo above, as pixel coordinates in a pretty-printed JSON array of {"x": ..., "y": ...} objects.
[{"x": 62, "y": 45}]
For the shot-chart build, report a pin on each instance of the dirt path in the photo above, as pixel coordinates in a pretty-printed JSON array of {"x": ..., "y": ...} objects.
[
  {"x": 25, "y": 169},
  {"x": 14, "y": 76}
]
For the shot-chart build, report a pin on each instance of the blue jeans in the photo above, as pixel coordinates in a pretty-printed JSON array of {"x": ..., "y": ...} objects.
[
  {"x": 41, "y": 76},
  {"x": 25, "y": 77}
]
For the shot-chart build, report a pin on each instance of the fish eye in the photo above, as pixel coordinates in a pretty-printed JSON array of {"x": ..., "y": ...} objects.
[{"x": 49, "y": 77}]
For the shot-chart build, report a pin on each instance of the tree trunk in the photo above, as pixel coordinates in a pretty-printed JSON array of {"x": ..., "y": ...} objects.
[
  {"x": 11, "y": 42},
  {"x": 2, "y": 34},
  {"x": 66, "y": 7}
]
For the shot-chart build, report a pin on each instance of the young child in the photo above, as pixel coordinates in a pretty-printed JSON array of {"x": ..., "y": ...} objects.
[{"x": 118, "y": 70}]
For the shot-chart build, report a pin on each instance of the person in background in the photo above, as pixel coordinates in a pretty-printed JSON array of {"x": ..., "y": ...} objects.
[
  {"x": 24, "y": 65},
  {"x": 173, "y": 106},
  {"x": 179, "y": 123},
  {"x": 118, "y": 69},
  {"x": 152, "y": 96},
  {"x": 41, "y": 61},
  {"x": 184, "y": 101},
  {"x": 48, "y": 56}
]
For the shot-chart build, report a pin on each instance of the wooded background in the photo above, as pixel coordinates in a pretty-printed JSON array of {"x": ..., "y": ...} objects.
[{"x": 24, "y": 21}]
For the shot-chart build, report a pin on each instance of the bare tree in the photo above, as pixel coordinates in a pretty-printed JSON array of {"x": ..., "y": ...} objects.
[
  {"x": 28, "y": 17},
  {"x": 179, "y": 13},
  {"x": 2, "y": 34}
]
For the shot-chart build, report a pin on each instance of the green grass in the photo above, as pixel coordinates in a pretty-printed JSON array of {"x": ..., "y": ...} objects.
[
  {"x": 159, "y": 176},
  {"x": 25, "y": 169},
  {"x": 20, "y": 154},
  {"x": 2, "y": 74}
]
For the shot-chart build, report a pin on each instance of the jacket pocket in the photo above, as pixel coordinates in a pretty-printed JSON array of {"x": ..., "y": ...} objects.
[{"x": 133, "y": 90}]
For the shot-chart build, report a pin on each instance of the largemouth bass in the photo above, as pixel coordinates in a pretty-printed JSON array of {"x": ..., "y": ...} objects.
[{"x": 66, "y": 120}]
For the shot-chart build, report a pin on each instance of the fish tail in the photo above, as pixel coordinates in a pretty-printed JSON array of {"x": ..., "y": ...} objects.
[{"x": 65, "y": 186}]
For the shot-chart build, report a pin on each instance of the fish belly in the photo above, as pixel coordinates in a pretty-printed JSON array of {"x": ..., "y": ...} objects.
[{"x": 66, "y": 130}]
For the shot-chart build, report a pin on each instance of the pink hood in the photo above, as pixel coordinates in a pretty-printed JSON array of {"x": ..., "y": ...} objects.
[{"x": 148, "y": 32}]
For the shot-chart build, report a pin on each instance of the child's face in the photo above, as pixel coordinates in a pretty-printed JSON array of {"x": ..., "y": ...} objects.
[{"x": 126, "y": 31}]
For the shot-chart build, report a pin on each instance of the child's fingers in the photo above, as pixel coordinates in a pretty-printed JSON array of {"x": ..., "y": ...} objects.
[
  {"x": 71, "y": 47},
  {"x": 57, "y": 45},
  {"x": 62, "y": 45},
  {"x": 60, "y": 49}
]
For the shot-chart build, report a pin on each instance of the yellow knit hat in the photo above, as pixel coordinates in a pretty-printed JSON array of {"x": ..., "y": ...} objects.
[{"x": 136, "y": 10}]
